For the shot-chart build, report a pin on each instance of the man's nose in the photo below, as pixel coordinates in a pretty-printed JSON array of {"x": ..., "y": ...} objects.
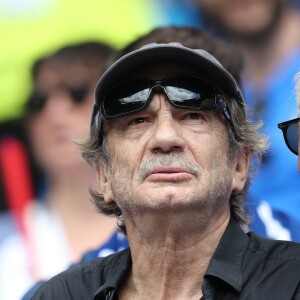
[{"x": 167, "y": 133}]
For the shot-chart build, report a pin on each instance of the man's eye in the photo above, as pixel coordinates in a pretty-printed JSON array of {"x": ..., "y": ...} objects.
[
  {"x": 136, "y": 121},
  {"x": 195, "y": 116}
]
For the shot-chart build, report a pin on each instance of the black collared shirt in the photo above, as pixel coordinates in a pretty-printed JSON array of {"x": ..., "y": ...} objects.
[{"x": 244, "y": 266}]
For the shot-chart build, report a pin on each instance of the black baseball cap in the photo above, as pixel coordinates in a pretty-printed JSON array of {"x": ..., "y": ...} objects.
[{"x": 154, "y": 54}]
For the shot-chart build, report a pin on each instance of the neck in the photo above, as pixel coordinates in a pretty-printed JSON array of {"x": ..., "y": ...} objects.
[
  {"x": 262, "y": 57},
  {"x": 174, "y": 259}
]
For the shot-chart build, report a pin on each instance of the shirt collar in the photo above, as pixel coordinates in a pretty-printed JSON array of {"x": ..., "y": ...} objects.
[
  {"x": 226, "y": 262},
  {"x": 115, "y": 274}
]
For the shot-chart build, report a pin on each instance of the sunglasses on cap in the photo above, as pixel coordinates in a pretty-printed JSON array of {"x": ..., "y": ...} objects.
[
  {"x": 182, "y": 91},
  {"x": 290, "y": 133}
]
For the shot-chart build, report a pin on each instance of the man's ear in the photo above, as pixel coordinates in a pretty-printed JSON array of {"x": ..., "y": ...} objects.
[
  {"x": 240, "y": 171},
  {"x": 104, "y": 182}
]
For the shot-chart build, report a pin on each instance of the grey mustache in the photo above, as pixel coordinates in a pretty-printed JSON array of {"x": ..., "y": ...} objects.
[{"x": 175, "y": 160}]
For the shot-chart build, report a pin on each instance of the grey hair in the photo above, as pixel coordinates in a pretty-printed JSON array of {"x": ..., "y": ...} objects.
[
  {"x": 242, "y": 134},
  {"x": 94, "y": 150}
]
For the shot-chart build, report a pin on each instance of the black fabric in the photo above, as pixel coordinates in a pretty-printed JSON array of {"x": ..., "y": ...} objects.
[{"x": 244, "y": 266}]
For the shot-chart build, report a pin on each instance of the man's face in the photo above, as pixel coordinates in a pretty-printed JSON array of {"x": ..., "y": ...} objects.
[
  {"x": 165, "y": 158},
  {"x": 243, "y": 18}
]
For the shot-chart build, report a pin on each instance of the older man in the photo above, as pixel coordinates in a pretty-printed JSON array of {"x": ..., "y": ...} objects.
[{"x": 171, "y": 145}]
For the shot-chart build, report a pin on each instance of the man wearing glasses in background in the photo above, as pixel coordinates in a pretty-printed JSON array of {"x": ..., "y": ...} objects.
[{"x": 291, "y": 128}]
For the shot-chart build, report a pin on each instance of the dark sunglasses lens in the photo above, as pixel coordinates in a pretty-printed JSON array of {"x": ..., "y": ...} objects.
[
  {"x": 190, "y": 92},
  {"x": 78, "y": 94},
  {"x": 126, "y": 98},
  {"x": 36, "y": 102},
  {"x": 292, "y": 136}
]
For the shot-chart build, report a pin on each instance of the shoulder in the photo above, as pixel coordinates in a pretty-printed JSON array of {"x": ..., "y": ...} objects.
[
  {"x": 274, "y": 249},
  {"x": 270, "y": 269},
  {"x": 82, "y": 281}
]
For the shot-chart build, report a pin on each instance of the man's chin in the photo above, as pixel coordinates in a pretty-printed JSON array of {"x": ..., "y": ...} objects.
[{"x": 175, "y": 202}]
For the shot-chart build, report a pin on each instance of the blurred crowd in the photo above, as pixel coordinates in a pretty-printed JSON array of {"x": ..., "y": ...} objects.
[{"x": 47, "y": 221}]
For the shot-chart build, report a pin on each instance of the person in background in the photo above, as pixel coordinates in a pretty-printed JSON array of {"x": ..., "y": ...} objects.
[
  {"x": 266, "y": 32},
  {"x": 62, "y": 224},
  {"x": 291, "y": 128},
  {"x": 171, "y": 144}
]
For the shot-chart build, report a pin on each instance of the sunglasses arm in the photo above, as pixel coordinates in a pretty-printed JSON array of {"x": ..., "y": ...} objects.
[{"x": 221, "y": 105}]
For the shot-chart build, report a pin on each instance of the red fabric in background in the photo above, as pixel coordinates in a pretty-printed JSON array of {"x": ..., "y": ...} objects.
[{"x": 16, "y": 174}]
